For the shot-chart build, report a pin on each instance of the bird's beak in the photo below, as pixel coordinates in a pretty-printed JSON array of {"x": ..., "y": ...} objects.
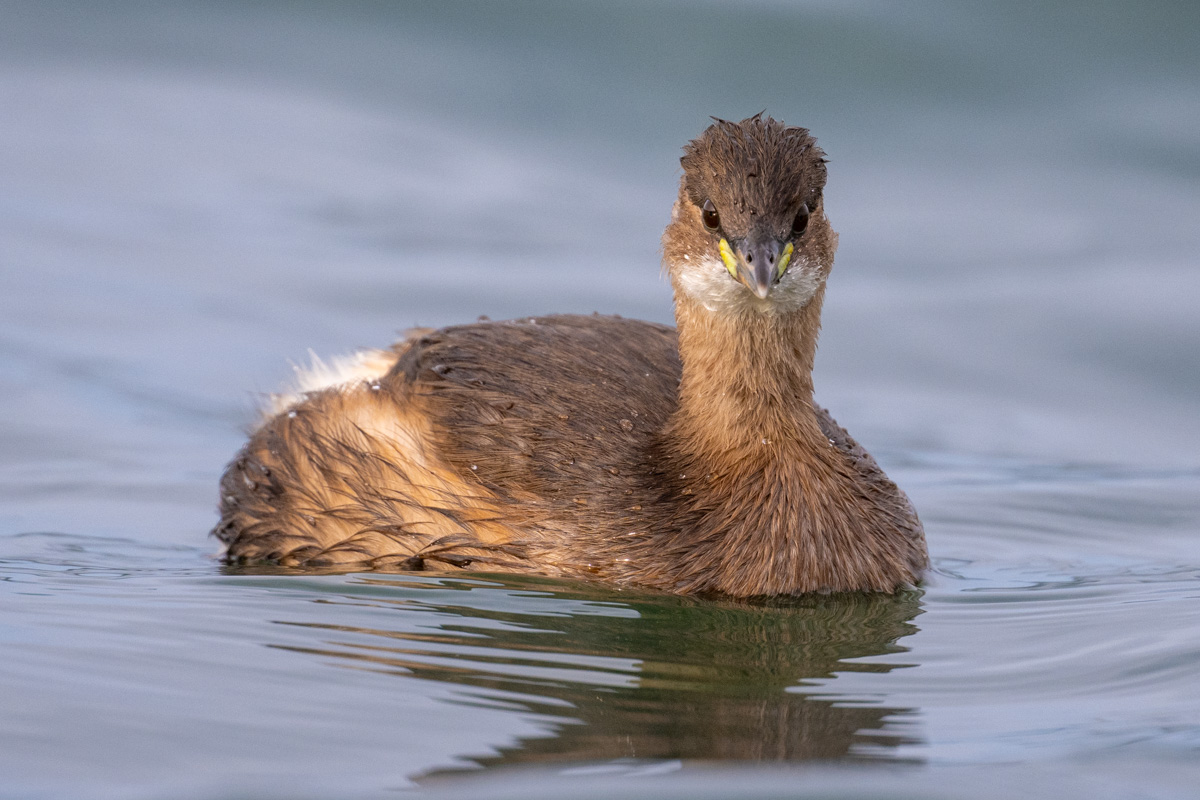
[{"x": 756, "y": 264}]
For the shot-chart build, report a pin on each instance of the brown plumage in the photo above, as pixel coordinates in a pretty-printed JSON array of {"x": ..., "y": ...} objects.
[{"x": 597, "y": 446}]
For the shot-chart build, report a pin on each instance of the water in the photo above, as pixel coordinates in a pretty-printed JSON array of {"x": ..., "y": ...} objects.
[{"x": 193, "y": 196}]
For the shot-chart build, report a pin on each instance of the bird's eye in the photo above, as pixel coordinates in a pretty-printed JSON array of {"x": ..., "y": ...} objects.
[
  {"x": 708, "y": 212},
  {"x": 801, "y": 220}
]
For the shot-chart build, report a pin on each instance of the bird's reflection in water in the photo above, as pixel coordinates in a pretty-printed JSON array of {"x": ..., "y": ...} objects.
[{"x": 642, "y": 676}]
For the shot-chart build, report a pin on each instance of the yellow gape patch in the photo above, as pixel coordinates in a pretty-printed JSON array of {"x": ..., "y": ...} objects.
[
  {"x": 784, "y": 258},
  {"x": 728, "y": 257}
]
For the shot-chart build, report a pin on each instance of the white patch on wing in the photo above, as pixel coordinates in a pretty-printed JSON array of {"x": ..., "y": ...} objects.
[
  {"x": 344, "y": 371},
  {"x": 707, "y": 281}
]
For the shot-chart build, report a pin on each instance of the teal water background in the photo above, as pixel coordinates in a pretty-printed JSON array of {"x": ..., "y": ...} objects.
[{"x": 194, "y": 195}]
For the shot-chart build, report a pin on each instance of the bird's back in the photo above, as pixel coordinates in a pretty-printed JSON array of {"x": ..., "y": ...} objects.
[
  {"x": 491, "y": 442},
  {"x": 562, "y": 407}
]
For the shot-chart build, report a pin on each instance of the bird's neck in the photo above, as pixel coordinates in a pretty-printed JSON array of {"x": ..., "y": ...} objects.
[
  {"x": 760, "y": 501},
  {"x": 746, "y": 389}
]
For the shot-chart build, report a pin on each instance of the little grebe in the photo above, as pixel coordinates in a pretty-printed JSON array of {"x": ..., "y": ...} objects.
[{"x": 689, "y": 460}]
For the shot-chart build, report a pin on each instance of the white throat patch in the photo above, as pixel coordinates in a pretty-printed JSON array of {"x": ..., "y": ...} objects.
[{"x": 706, "y": 281}]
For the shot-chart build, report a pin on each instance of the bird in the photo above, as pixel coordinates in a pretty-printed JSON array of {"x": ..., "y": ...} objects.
[{"x": 689, "y": 460}]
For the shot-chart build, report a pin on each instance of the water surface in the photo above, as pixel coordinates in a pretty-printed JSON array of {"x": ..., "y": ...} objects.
[{"x": 191, "y": 197}]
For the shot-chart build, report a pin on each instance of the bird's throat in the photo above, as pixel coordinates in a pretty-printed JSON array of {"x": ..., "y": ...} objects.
[{"x": 746, "y": 382}]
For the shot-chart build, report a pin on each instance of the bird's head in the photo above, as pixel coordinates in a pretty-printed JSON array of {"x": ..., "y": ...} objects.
[{"x": 748, "y": 232}]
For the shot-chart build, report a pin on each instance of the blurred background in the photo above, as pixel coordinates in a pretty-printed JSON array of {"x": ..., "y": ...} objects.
[{"x": 194, "y": 195}]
